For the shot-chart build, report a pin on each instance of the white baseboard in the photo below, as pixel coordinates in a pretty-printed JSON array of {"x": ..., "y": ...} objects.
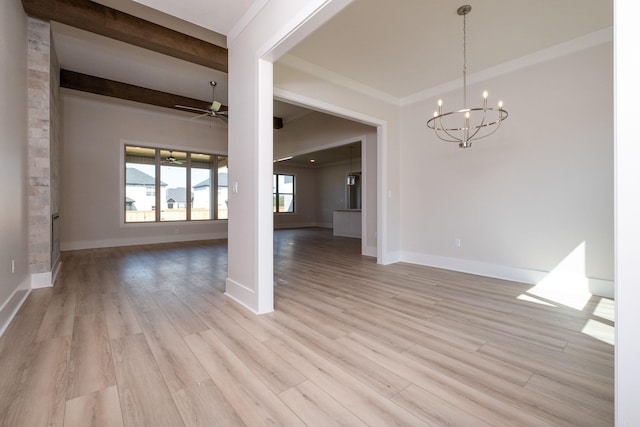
[
  {"x": 10, "y": 307},
  {"x": 371, "y": 251},
  {"x": 599, "y": 287},
  {"x": 294, "y": 225},
  {"x": 149, "y": 240},
  {"x": 241, "y": 294},
  {"x": 391, "y": 257},
  {"x": 47, "y": 279},
  {"x": 41, "y": 280},
  {"x": 602, "y": 288}
]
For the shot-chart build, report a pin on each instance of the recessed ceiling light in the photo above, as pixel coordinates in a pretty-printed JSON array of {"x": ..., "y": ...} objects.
[{"x": 312, "y": 160}]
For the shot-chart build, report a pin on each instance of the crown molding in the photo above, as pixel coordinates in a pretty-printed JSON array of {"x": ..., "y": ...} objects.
[
  {"x": 563, "y": 49},
  {"x": 572, "y": 46}
]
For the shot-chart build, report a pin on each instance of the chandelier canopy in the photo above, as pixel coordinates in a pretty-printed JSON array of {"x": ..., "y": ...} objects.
[{"x": 468, "y": 124}]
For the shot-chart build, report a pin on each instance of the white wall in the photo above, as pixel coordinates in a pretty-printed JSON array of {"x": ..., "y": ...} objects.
[
  {"x": 316, "y": 131},
  {"x": 333, "y": 189},
  {"x": 13, "y": 145},
  {"x": 529, "y": 195},
  {"x": 306, "y": 189},
  {"x": 92, "y": 169}
]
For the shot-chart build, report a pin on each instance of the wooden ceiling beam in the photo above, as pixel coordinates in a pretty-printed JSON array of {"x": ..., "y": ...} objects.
[
  {"x": 114, "y": 89},
  {"x": 108, "y": 22}
]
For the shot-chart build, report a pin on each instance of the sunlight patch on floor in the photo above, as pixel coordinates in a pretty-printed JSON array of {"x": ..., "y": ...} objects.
[
  {"x": 567, "y": 283},
  {"x": 529, "y": 298},
  {"x": 599, "y": 331},
  {"x": 605, "y": 309}
]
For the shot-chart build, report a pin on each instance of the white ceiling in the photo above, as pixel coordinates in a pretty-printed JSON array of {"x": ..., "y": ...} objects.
[
  {"x": 403, "y": 47},
  {"x": 395, "y": 48}
]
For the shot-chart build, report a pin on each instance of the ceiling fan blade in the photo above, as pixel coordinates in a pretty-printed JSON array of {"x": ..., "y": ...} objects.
[
  {"x": 222, "y": 117},
  {"x": 200, "y": 110},
  {"x": 200, "y": 115}
]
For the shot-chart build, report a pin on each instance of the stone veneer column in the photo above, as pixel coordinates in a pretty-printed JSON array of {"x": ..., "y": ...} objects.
[{"x": 43, "y": 113}]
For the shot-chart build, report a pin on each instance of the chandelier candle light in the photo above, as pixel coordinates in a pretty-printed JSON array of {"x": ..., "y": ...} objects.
[{"x": 466, "y": 125}]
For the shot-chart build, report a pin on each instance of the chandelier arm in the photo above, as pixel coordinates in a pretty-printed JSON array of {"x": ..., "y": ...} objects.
[
  {"x": 492, "y": 131},
  {"x": 443, "y": 129},
  {"x": 454, "y": 138},
  {"x": 445, "y": 139},
  {"x": 440, "y": 128},
  {"x": 480, "y": 126}
]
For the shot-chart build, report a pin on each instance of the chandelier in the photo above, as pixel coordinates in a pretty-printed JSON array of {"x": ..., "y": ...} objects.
[{"x": 467, "y": 125}]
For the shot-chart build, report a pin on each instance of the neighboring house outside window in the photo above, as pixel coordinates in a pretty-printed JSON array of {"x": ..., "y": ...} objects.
[{"x": 139, "y": 205}]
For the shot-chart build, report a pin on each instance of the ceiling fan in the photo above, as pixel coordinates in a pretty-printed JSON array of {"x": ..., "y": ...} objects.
[
  {"x": 212, "y": 111},
  {"x": 172, "y": 160}
]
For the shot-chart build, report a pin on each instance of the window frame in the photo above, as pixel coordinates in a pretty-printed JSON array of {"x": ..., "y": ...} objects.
[
  {"x": 157, "y": 164},
  {"x": 276, "y": 194}
]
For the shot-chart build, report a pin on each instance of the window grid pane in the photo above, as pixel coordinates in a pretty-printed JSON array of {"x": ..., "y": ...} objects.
[
  {"x": 202, "y": 166},
  {"x": 140, "y": 184},
  {"x": 173, "y": 186}
]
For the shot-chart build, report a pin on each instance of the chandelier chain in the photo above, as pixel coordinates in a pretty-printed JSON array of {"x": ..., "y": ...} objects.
[{"x": 464, "y": 56}]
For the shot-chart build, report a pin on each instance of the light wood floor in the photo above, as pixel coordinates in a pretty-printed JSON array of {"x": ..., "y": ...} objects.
[{"x": 144, "y": 336}]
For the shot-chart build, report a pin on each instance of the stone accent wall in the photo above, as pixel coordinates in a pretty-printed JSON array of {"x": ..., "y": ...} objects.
[{"x": 39, "y": 149}]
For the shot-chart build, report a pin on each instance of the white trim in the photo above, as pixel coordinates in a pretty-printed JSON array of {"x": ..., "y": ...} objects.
[
  {"x": 383, "y": 195},
  {"x": 355, "y": 139},
  {"x": 41, "y": 280},
  {"x": 245, "y": 20},
  {"x": 311, "y": 17},
  {"x": 11, "y": 306},
  {"x": 369, "y": 251},
  {"x": 148, "y": 240},
  {"x": 382, "y": 255},
  {"x": 598, "y": 287},
  {"x": 602, "y": 288},
  {"x": 325, "y": 74},
  {"x": 325, "y": 107},
  {"x": 391, "y": 258},
  {"x": 364, "y": 176},
  {"x": 295, "y": 225},
  {"x": 572, "y": 46},
  {"x": 240, "y": 293}
]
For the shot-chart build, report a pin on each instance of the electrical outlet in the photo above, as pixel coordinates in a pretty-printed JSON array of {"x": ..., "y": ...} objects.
[{"x": 458, "y": 242}]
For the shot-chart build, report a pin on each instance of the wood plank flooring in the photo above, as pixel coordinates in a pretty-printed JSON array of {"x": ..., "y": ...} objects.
[{"x": 144, "y": 336}]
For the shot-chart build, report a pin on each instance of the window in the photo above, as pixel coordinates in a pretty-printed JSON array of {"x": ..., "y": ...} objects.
[
  {"x": 283, "y": 193},
  {"x": 186, "y": 186}
]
